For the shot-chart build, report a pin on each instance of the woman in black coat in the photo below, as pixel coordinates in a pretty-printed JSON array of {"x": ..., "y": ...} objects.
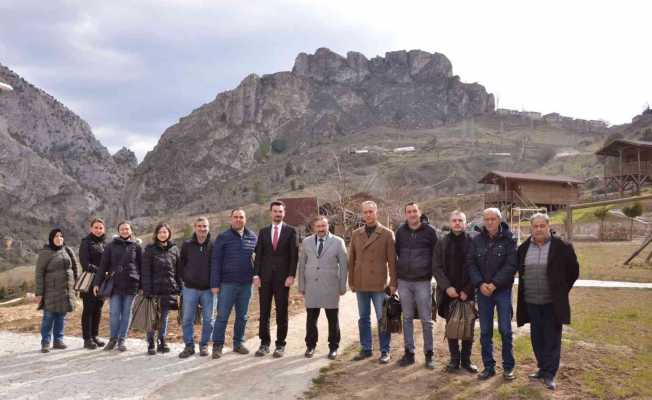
[
  {"x": 121, "y": 260},
  {"x": 90, "y": 257},
  {"x": 160, "y": 279}
]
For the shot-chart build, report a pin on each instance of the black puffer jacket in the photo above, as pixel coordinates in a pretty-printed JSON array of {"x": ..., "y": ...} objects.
[
  {"x": 493, "y": 260},
  {"x": 160, "y": 270},
  {"x": 90, "y": 252},
  {"x": 195, "y": 263},
  {"x": 123, "y": 257},
  {"x": 414, "y": 250}
]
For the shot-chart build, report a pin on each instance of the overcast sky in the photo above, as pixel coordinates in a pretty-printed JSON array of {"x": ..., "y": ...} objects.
[{"x": 133, "y": 70}]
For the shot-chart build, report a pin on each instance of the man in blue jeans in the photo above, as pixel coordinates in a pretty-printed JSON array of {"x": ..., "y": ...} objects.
[
  {"x": 491, "y": 263},
  {"x": 195, "y": 272},
  {"x": 372, "y": 269},
  {"x": 232, "y": 272}
]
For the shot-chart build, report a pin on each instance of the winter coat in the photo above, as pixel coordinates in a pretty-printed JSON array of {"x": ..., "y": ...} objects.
[
  {"x": 90, "y": 252},
  {"x": 90, "y": 257},
  {"x": 195, "y": 263},
  {"x": 122, "y": 257},
  {"x": 322, "y": 278},
  {"x": 232, "y": 258},
  {"x": 56, "y": 273},
  {"x": 563, "y": 270},
  {"x": 442, "y": 270},
  {"x": 159, "y": 271},
  {"x": 493, "y": 260},
  {"x": 414, "y": 252},
  {"x": 372, "y": 260}
]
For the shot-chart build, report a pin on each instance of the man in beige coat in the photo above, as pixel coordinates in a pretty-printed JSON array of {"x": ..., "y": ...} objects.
[{"x": 372, "y": 268}]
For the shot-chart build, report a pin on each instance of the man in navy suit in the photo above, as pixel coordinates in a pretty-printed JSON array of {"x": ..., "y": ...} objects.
[{"x": 275, "y": 266}]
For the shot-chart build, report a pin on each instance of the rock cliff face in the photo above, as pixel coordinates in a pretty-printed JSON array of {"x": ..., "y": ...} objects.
[
  {"x": 53, "y": 171},
  {"x": 325, "y": 96}
]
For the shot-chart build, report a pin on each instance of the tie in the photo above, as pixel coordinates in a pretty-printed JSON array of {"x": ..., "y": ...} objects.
[
  {"x": 321, "y": 247},
  {"x": 275, "y": 238}
]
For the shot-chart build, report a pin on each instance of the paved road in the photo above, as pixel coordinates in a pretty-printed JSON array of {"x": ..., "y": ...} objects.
[
  {"x": 25, "y": 373},
  {"x": 609, "y": 284}
]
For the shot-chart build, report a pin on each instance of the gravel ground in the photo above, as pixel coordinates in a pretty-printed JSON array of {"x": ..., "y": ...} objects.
[{"x": 75, "y": 373}]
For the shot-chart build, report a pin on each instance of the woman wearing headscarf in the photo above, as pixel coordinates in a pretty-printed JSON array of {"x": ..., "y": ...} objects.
[
  {"x": 121, "y": 260},
  {"x": 90, "y": 257},
  {"x": 161, "y": 280},
  {"x": 56, "y": 272}
]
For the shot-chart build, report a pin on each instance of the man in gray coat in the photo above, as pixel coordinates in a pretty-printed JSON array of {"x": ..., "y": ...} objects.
[{"x": 322, "y": 271}]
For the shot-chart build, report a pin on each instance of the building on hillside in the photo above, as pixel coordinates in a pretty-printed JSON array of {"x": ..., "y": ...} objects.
[
  {"x": 299, "y": 211},
  {"x": 627, "y": 165},
  {"x": 530, "y": 190}
]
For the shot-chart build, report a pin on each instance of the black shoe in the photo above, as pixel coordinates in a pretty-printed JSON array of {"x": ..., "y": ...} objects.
[
  {"x": 453, "y": 366},
  {"x": 407, "y": 359},
  {"x": 241, "y": 349},
  {"x": 203, "y": 351},
  {"x": 486, "y": 374},
  {"x": 536, "y": 376},
  {"x": 509, "y": 374},
  {"x": 111, "y": 345},
  {"x": 89, "y": 344},
  {"x": 384, "y": 357},
  {"x": 469, "y": 367},
  {"x": 59, "y": 345},
  {"x": 45, "y": 347},
  {"x": 279, "y": 351},
  {"x": 430, "y": 363},
  {"x": 187, "y": 351},
  {"x": 121, "y": 345},
  {"x": 97, "y": 341},
  {"x": 310, "y": 352},
  {"x": 362, "y": 355},
  {"x": 217, "y": 351},
  {"x": 262, "y": 351},
  {"x": 550, "y": 383},
  {"x": 332, "y": 354},
  {"x": 162, "y": 347}
]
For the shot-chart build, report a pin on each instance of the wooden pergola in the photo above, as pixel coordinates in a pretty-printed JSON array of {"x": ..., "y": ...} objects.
[{"x": 627, "y": 164}]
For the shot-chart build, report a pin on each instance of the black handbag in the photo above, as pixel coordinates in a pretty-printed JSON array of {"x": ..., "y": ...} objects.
[{"x": 106, "y": 287}]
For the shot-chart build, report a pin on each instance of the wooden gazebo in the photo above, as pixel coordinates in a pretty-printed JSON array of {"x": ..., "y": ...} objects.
[
  {"x": 627, "y": 164},
  {"x": 530, "y": 190}
]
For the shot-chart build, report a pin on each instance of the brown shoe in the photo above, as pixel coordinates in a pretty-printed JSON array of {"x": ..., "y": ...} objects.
[{"x": 59, "y": 345}]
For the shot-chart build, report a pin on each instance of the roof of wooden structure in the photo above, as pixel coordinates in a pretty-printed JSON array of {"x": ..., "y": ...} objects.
[
  {"x": 614, "y": 146},
  {"x": 299, "y": 210},
  {"x": 494, "y": 177}
]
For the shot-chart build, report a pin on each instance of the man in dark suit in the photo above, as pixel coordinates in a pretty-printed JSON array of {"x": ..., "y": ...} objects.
[{"x": 275, "y": 266}]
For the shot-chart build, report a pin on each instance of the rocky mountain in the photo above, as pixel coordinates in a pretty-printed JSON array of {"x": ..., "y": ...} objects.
[
  {"x": 326, "y": 97},
  {"x": 53, "y": 171}
]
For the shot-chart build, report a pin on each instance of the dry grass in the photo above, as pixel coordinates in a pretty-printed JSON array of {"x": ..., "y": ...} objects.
[
  {"x": 604, "y": 261},
  {"x": 607, "y": 354}
]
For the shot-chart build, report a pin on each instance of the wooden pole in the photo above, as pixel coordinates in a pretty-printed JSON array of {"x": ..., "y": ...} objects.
[
  {"x": 569, "y": 223},
  {"x": 643, "y": 246}
]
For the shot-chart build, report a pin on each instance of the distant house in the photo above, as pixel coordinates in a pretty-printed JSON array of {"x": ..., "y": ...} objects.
[
  {"x": 530, "y": 190},
  {"x": 299, "y": 211},
  {"x": 627, "y": 164}
]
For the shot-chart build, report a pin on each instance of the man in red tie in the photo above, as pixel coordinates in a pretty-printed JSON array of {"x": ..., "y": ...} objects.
[{"x": 275, "y": 266}]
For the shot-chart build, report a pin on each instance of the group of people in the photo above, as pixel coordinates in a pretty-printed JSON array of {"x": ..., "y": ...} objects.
[{"x": 472, "y": 267}]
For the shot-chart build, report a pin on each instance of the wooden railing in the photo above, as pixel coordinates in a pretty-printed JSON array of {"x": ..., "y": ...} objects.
[
  {"x": 508, "y": 196},
  {"x": 629, "y": 168}
]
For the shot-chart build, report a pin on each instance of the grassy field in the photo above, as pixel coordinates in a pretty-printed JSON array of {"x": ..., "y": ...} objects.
[{"x": 606, "y": 354}]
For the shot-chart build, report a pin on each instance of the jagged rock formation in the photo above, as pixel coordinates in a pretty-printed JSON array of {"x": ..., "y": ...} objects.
[
  {"x": 53, "y": 171},
  {"x": 324, "y": 96}
]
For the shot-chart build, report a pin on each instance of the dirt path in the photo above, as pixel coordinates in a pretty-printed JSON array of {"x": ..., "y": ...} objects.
[{"x": 25, "y": 373}]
